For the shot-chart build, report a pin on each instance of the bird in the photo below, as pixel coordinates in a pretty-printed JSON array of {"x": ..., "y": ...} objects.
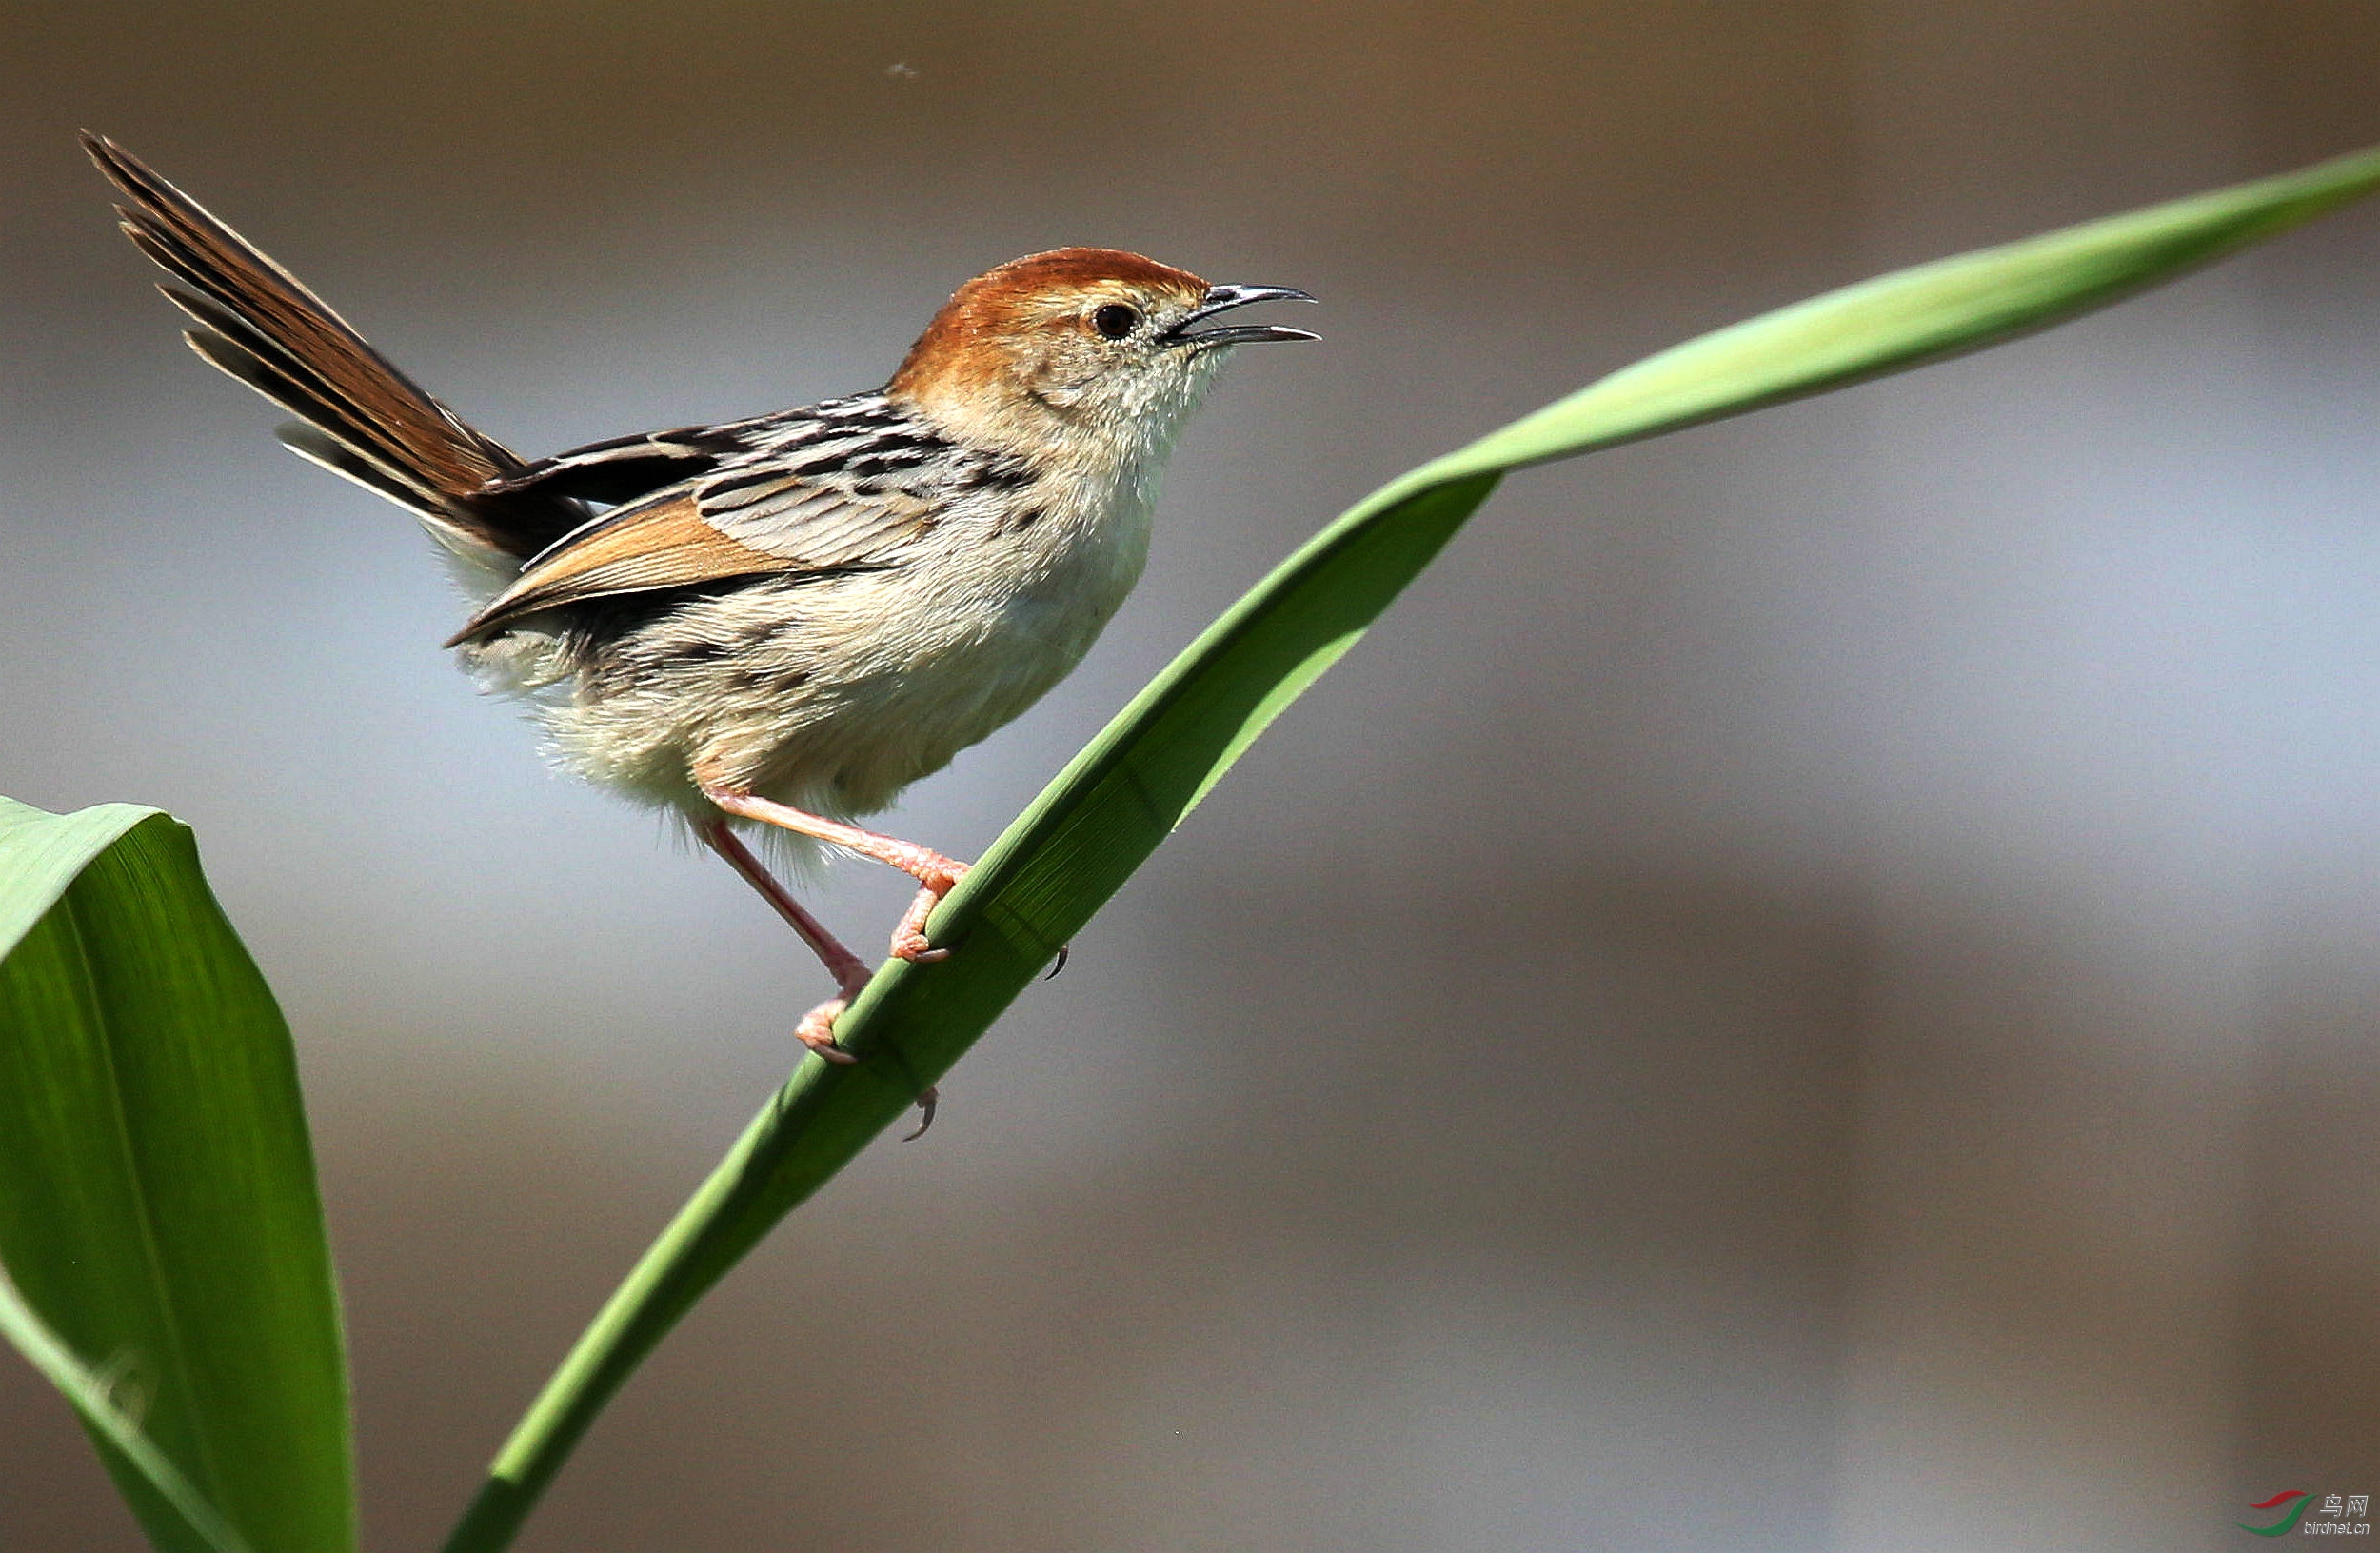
[{"x": 783, "y": 620}]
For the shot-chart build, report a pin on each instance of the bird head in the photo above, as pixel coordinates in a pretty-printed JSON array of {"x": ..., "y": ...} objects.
[{"x": 1094, "y": 348}]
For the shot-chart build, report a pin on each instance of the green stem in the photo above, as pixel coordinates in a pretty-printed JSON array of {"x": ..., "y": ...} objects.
[{"x": 761, "y": 1180}]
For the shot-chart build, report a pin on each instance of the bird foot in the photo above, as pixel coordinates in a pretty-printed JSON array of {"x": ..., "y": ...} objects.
[
  {"x": 908, "y": 941},
  {"x": 817, "y": 1030}
]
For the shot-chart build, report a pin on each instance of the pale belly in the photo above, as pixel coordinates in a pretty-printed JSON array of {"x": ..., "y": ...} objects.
[{"x": 972, "y": 659}]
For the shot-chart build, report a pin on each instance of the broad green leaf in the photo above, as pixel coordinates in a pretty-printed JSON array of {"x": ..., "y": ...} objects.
[
  {"x": 159, "y": 1227},
  {"x": 98, "y": 1397},
  {"x": 1119, "y": 797}
]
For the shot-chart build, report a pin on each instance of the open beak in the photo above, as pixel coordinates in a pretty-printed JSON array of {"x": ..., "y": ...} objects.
[{"x": 1222, "y": 299}]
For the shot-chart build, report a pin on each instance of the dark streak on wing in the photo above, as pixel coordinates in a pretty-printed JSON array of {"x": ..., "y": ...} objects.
[
  {"x": 722, "y": 486},
  {"x": 663, "y": 541},
  {"x": 621, "y": 468},
  {"x": 750, "y": 523},
  {"x": 997, "y": 471}
]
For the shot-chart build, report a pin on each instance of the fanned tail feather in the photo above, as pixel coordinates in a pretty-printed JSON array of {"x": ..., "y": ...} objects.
[{"x": 358, "y": 415}]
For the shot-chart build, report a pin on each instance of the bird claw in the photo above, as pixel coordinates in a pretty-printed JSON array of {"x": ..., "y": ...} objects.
[
  {"x": 910, "y": 941},
  {"x": 816, "y": 1031},
  {"x": 1059, "y": 964}
]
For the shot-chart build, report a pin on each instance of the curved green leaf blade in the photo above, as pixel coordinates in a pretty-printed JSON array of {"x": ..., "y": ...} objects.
[
  {"x": 1119, "y": 799},
  {"x": 1926, "y": 313},
  {"x": 159, "y": 1225}
]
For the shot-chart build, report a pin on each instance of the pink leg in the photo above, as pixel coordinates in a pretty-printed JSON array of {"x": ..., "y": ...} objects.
[
  {"x": 817, "y": 1029},
  {"x": 845, "y": 967},
  {"x": 930, "y": 868}
]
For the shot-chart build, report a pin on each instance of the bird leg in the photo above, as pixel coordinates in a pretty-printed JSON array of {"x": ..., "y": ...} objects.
[
  {"x": 934, "y": 872},
  {"x": 817, "y": 1029}
]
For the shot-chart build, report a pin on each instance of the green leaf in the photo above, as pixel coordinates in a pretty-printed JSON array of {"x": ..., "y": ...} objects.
[
  {"x": 191, "y": 1521},
  {"x": 1117, "y": 801},
  {"x": 161, "y": 1238}
]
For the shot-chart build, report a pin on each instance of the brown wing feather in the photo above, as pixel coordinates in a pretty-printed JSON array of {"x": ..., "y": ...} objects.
[
  {"x": 818, "y": 520},
  {"x": 661, "y": 544},
  {"x": 747, "y": 522}
]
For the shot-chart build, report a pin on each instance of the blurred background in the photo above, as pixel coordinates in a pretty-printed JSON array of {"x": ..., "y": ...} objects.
[{"x": 1813, "y": 986}]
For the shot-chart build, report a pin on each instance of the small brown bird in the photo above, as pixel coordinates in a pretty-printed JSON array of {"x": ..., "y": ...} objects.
[{"x": 784, "y": 620}]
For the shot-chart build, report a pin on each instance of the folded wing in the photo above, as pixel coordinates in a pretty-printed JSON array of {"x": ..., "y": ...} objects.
[{"x": 745, "y": 522}]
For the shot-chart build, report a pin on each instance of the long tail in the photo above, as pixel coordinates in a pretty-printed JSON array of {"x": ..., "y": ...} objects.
[{"x": 358, "y": 416}]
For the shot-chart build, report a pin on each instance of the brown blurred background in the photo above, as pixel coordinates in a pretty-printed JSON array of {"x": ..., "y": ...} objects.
[{"x": 1813, "y": 987}]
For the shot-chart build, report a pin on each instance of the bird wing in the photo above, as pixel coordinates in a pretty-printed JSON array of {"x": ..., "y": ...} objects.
[
  {"x": 760, "y": 519},
  {"x": 623, "y": 469},
  {"x": 818, "y": 439}
]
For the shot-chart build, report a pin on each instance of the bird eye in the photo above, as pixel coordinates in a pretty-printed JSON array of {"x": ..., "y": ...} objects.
[{"x": 1115, "y": 321}]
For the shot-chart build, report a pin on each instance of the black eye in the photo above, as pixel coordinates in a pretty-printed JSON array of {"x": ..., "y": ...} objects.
[{"x": 1115, "y": 320}]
